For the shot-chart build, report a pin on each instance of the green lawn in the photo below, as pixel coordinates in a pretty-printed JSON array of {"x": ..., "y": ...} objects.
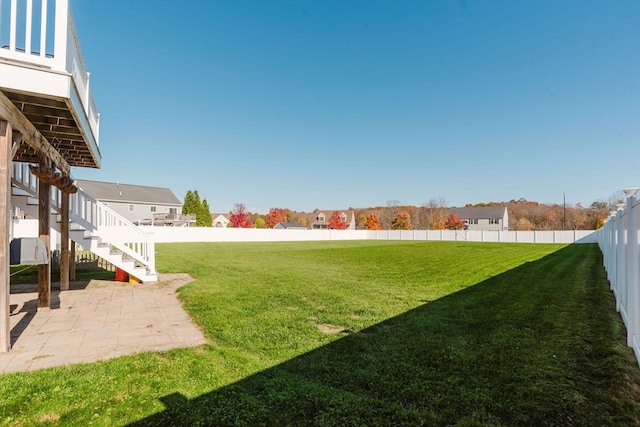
[{"x": 365, "y": 334}]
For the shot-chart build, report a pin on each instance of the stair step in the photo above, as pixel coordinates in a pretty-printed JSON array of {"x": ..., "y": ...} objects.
[{"x": 27, "y": 200}]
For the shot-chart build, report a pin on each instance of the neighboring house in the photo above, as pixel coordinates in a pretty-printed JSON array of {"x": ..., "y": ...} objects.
[
  {"x": 136, "y": 203},
  {"x": 484, "y": 218},
  {"x": 321, "y": 220},
  {"x": 290, "y": 226},
  {"x": 219, "y": 220}
]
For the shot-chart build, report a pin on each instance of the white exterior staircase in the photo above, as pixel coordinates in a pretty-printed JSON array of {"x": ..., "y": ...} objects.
[{"x": 92, "y": 225}]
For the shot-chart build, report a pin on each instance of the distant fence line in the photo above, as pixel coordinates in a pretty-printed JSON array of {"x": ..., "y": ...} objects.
[
  {"x": 201, "y": 234},
  {"x": 29, "y": 228},
  {"x": 618, "y": 241}
]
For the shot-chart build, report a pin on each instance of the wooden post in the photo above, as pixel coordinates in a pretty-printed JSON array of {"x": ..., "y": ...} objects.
[
  {"x": 72, "y": 262},
  {"x": 64, "y": 243},
  {"x": 5, "y": 207},
  {"x": 44, "y": 270}
]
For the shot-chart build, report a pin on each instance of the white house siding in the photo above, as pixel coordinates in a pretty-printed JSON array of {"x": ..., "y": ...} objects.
[
  {"x": 140, "y": 210},
  {"x": 484, "y": 225},
  {"x": 483, "y": 216},
  {"x": 28, "y": 227}
]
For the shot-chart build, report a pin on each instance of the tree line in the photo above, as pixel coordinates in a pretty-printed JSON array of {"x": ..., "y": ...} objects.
[{"x": 524, "y": 215}]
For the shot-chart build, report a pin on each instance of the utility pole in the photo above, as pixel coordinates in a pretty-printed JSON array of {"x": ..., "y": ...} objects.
[{"x": 564, "y": 211}]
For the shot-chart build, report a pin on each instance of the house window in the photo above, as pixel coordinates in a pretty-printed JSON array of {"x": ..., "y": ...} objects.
[
  {"x": 173, "y": 210},
  {"x": 494, "y": 220},
  {"x": 132, "y": 208},
  {"x": 472, "y": 221},
  {"x": 322, "y": 218},
  {"x": 153, "y": 209},
  {"x": 343, "y": 217}
]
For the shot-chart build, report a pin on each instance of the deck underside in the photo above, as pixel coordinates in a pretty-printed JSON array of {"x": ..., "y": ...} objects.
[{"x": 55, "y": 120}]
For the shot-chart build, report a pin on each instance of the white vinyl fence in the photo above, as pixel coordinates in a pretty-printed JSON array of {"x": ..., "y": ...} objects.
[
  {"x": 618, "y": 240},
  {"x": 212, "y": 234}
]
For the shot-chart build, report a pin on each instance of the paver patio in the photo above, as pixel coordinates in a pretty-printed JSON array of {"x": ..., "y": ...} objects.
[{"x": 97, "y": 320}]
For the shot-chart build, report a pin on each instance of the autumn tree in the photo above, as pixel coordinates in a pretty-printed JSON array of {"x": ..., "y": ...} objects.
[
  {"x": 388, "y": 213},
  {"x": 361, "y": 221},
  {"x": 523, "y": 224},
  {"x": 336, "y": 223},
  {"x": 454, "y": 222},
  {"x": 239, "y": 218},
  {"x": 275, "y": 216},
  {"x": 259, "y": 223},
  {"x": 372, "y": 223},
  {"x": 402, "y": 221},
  {"x": 436, "y": 214}
]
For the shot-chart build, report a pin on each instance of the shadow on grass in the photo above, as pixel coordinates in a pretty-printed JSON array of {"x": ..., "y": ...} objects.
[{"x": 536, "y": 345}]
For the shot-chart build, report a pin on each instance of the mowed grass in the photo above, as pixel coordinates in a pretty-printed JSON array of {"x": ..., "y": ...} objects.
[{"x": 365, "y": 334}]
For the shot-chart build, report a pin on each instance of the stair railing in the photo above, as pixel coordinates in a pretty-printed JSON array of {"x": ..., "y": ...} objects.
[
  {"x": 112, "y": 228},
  {"x": 95, "y": 217}
]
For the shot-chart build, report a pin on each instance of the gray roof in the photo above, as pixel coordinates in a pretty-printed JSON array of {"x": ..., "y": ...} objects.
[
  {"x": 283, "y": 224},
  {"x": 126, "y": 193},
  {"x": 479, "y": 212}
]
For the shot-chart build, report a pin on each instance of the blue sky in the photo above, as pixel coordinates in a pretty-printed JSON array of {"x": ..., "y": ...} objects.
[{"x": 336, "y": 104}]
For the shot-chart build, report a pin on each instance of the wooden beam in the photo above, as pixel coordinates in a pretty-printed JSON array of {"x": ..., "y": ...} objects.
[
  {"x": 17, "y": 140},
  {"x": 5, "y": 218},
  {"x": 30, "y": 135},
  {"x": 44, "y": 270},
  {"x": 64, "y": 242}
]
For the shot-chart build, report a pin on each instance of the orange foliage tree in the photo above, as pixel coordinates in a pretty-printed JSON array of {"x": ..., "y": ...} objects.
[
  {"x": 402, "y": 221},
  {"x": 275, "y": 216},
  {"x": 454, "y": 223},
  {"x": 372, "y": 223},
  {"x": 336, "y": 223}
]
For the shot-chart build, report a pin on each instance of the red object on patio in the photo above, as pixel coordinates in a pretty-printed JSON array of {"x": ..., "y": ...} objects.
[{"x": 121, "y": 275}]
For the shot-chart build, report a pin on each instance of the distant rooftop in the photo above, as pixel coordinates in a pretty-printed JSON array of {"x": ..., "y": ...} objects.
[{"x": 116, "y": 192}]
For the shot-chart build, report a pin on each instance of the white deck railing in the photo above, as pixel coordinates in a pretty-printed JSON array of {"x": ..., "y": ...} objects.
[
  {"x": 112, "y": 228},
  {"x": 618, "y": 241},
  {"x": 22, "y": 176},
  {"x": 42, "y": 33},
  {"x": 95, "y": 217}
]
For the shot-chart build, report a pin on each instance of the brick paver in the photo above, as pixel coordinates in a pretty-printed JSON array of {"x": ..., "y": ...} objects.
[{"x": 95, "y": 321}]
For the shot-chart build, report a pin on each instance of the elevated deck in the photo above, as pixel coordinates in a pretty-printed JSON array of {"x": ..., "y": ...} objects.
[
  {"x": 48, "y": 120},
  {"x": 43, "y": 75}
]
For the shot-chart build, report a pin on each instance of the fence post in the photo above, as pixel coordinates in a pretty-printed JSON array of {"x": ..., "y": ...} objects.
[
  {"x": 618, "y": 241},
  {"x": 621, "y": 261},
  {"x": 632, "y": 270},
  {"x": 611, "y": 235}
]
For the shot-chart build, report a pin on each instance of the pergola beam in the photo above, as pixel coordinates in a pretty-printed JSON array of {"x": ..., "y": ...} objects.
[
  {"x": 17, "y": 140},
  {"x": 30, "y": 135}
]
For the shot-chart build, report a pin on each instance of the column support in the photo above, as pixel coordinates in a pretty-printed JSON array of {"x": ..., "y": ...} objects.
[
  {"x": 44, "y": 213},
  {"x": 72, "y": 262},
  {"x": 64, "y": 242},
  {"x": 6, "y": 140}
]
